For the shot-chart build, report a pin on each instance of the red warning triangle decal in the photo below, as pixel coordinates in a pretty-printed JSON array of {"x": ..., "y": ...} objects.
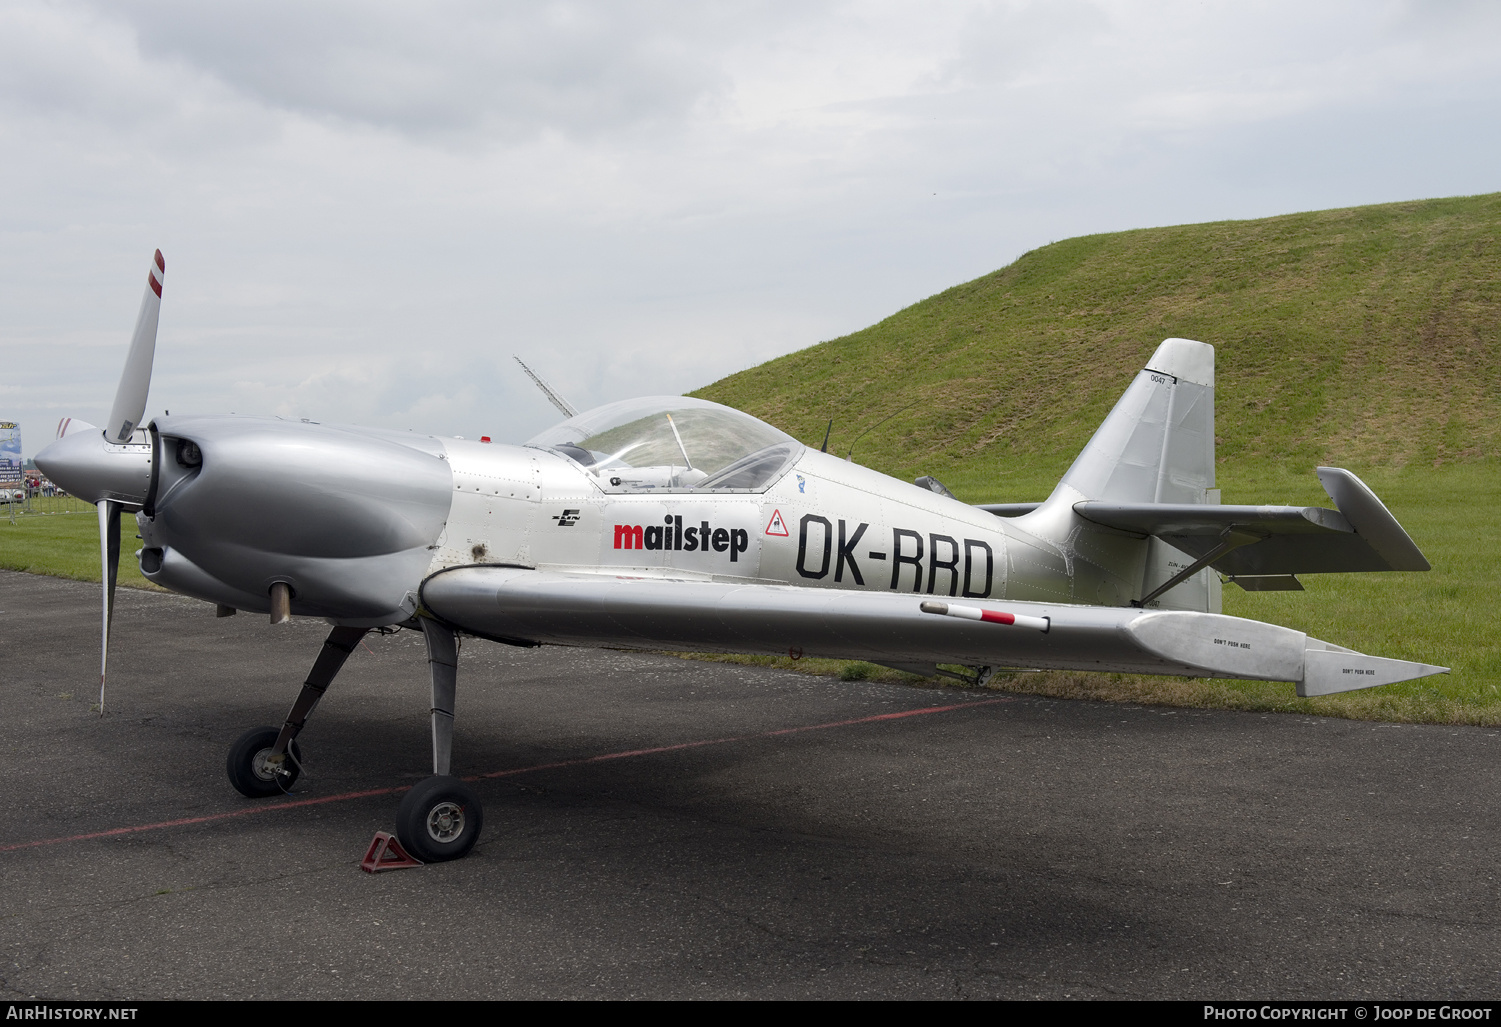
[{"x": 777, "y": 525}]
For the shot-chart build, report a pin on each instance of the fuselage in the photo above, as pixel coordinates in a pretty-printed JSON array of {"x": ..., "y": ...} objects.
[
  {"x": 354, "y": 520},
  {"x": 824, "y": 523}
]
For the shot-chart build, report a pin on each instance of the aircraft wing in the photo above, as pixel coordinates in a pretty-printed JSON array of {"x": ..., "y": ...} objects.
[
  {"x": 1361, "y": 535},
  {"x": 529, "y": 607}
]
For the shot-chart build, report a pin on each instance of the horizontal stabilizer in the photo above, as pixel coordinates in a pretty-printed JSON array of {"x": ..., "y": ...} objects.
[
  {"x": 1361, "y": 535},
  {"x": 1187, "y": 520}
]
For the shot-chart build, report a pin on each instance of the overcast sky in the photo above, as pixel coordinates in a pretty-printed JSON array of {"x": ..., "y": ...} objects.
[{"x": 367, "y": 207}]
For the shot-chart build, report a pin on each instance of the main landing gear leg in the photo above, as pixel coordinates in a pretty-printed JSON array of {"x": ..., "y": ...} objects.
[
  {"x": 265, "y": 761},
  {"x": 440, "y": 819}
]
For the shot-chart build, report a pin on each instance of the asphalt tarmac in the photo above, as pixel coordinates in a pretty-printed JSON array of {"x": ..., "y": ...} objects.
[{"x": 988, "y": 847}]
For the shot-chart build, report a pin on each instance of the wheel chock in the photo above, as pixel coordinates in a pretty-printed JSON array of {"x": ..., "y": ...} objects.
[{"x": 386, "y": 853}]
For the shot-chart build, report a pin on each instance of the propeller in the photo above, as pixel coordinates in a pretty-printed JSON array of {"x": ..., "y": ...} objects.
[
  {"x": 111, "y": 469},
  {"x": 135, "y": 380},
  {"x": 124, "y": 416}
]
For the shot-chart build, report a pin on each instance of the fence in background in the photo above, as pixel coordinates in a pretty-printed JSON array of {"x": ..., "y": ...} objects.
[{"x": 10, "y": 505}]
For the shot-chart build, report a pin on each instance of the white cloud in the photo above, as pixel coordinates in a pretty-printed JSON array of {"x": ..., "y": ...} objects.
[{"x": 499, "y": 71}]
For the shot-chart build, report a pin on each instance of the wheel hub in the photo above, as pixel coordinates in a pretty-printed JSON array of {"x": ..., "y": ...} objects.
[
  {"x": 445, "y": 822},
  {"x": 261, "y": 764}
]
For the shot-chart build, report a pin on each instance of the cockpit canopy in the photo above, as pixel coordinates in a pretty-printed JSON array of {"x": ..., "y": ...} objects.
[{"x": 672, "y": 444}]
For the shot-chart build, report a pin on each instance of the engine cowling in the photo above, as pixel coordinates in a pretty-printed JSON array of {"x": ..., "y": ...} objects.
[{"x": 346, "y": 517}]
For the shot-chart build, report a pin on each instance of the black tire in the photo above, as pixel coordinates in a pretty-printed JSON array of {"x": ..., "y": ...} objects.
[
  {"x": 246, "y": 768},
  {"x": 440, "y": 819}
]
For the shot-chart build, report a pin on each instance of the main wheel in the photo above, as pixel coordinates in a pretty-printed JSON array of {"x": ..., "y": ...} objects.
[
  {"x": 247, "y": 767},
  {"x": 439, "y": 819}
]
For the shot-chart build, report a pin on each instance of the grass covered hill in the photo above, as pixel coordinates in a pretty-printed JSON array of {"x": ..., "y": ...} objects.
[{"x": 1364, "y": 336}]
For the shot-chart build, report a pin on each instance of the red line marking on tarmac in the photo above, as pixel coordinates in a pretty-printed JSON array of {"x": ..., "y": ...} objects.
[
  {"x": 207, "y": 818},
  {"x": 737, "y": 738},
  {"x": 583, "y": 761}
]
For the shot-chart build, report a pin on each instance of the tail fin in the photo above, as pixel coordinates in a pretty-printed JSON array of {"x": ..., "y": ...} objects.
[
  {"x": 1137, "y": 518},
  {"x": 1157, "y": 444}
]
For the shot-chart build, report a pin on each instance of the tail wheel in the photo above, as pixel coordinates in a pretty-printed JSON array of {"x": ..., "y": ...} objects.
[
  {"x": 440, "y": 819},
  {"x": 250, "y": 768}
]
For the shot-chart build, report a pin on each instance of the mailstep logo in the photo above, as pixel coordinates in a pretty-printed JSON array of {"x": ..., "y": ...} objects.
[{"x": 671, "y": 534}]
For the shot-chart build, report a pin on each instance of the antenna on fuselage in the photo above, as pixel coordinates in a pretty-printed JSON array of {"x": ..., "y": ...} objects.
[
  {"x": 565, "y": 407},
  {"x": 825, "y": 447}
]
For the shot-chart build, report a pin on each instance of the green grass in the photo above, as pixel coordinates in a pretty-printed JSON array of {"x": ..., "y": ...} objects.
[
  {"x": 66, "y": 545},
  {"x": 1368, "y": 338}
]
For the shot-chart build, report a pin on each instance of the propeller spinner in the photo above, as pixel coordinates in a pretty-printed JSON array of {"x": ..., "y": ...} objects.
[{"x": 112, "y": 468}]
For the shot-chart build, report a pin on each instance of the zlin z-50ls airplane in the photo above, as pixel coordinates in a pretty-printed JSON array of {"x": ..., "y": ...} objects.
[{"x": 678, "y": 524}]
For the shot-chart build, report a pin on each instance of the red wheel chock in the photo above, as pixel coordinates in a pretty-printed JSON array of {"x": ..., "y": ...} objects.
[{"x": 386, "y": 853}]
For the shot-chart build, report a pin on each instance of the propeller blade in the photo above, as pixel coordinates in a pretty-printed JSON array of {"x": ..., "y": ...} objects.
[
  {"x": 135, "y": 380},
  {"x": 109, "y": 566}
]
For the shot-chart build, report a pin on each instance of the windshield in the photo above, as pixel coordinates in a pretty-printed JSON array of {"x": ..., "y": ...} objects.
[{"x": 673, "y": 444}]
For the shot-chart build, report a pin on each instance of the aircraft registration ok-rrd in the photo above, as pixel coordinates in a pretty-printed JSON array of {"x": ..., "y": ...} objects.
[{"x": 675, "y": 523}]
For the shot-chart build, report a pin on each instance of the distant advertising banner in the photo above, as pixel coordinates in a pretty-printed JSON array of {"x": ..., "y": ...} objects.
[{"x": 10, "y": 451}]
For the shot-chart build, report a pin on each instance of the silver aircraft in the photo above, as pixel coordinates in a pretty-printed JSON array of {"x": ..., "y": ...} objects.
[{"x": 675, "y": 523}]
